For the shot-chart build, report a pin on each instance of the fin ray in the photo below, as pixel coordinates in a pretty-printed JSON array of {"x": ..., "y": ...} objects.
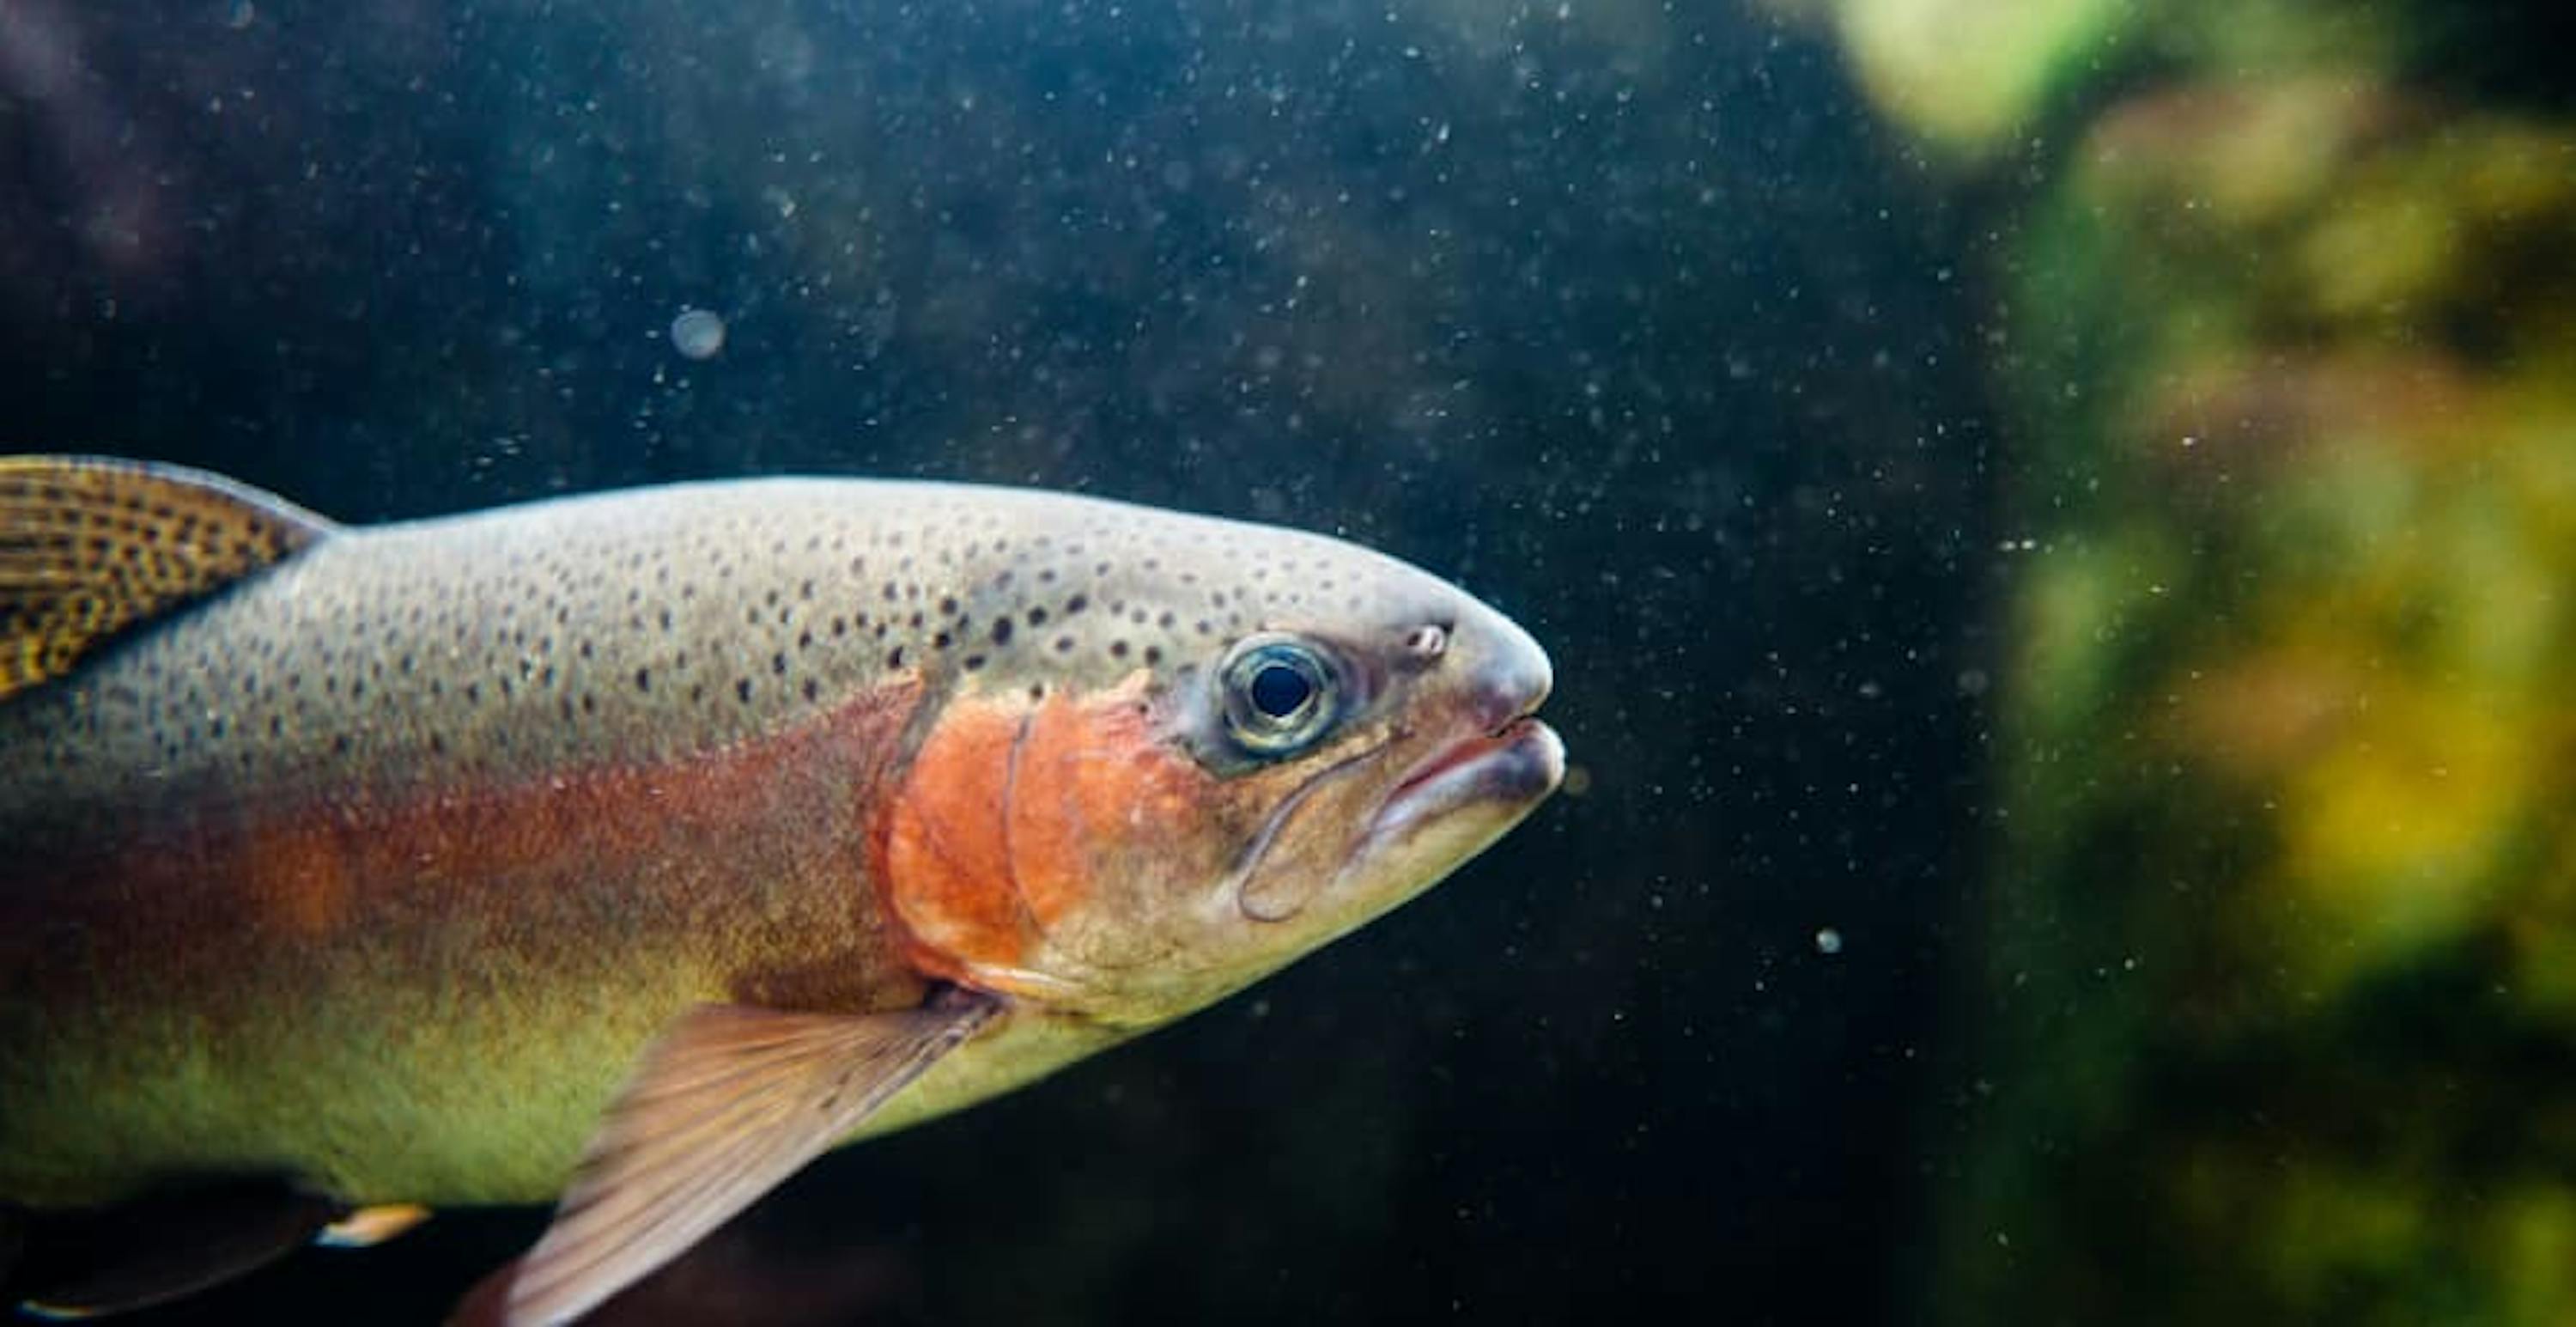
[
  {"x": 732, "y": 1100},
  {"x": 90, "y": 547}
]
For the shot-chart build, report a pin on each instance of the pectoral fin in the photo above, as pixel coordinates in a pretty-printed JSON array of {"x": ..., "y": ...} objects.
[{"x": 732, "y": 1100}]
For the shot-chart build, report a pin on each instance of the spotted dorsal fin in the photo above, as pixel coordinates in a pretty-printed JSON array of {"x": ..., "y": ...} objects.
[{"x": 90, "y": 547}]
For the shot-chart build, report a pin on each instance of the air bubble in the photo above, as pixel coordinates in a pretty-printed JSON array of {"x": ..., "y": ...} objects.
[{"x": 697, "y": 333}]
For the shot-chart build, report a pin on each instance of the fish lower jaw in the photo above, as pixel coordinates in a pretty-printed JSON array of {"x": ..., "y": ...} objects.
[{"x": 1515, "y": 765}]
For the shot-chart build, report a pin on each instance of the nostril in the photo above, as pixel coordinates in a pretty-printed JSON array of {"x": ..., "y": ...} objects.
[{"x": 1428, "y": 641}]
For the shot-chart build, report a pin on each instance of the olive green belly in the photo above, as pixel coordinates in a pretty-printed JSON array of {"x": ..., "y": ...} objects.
[{"x": 424, "y": 997}]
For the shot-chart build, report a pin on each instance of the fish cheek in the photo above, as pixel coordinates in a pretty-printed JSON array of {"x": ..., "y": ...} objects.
[
  {"x": 1115, "y": 831},
  {"x": 1072, "y": 852},
  {"x": 1319, "y": 813}
]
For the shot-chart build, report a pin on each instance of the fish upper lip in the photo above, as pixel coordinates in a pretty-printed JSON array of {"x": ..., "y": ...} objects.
[
  {"x": 1489, "y": 710},
  {"x": 1504, "y": 692}
]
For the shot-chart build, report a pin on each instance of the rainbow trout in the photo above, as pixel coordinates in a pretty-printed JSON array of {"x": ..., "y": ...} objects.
[{"x": 639, "y": 847}]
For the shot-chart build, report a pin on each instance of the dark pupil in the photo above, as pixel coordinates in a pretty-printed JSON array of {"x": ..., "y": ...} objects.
[{"x": 1278, "y": 690}]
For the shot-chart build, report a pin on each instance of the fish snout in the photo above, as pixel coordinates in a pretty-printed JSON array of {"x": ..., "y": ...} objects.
[
  {"x": 1486, "y": 760},
  {"x": 1506, "y": 674}
]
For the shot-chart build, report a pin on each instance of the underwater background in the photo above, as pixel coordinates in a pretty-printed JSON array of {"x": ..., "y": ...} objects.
[{"x": 2052, "y": 521}]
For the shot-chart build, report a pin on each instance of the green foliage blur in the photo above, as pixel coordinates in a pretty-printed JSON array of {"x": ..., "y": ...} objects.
[{"x": 2277, "y": 1014}]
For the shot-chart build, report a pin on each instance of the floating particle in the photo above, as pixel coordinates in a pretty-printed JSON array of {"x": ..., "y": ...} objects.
[
  {"x": 1829, "y": 942},
  {"x": 697, "y": 333}
]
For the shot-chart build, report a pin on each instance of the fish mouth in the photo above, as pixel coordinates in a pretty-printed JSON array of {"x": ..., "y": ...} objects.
[
  {"x": 1511, "y": 768},
  {"x": 1515, "y": 764}
]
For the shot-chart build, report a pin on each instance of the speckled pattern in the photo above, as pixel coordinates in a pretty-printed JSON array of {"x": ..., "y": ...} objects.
[{"x": 632, "y": 625}]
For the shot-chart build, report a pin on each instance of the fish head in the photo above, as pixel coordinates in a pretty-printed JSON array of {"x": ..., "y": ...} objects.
[{"x": 1255, "y": 741}]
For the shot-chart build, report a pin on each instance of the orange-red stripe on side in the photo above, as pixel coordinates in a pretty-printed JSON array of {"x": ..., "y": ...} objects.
[{"x": 750, "y": 857}]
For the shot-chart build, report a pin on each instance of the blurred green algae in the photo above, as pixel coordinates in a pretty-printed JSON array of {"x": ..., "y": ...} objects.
[{"x": 2276, "y": 1018}]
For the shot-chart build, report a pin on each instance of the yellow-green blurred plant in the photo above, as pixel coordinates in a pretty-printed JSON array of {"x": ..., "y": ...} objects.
[{"x": 2279, "y": 1015}]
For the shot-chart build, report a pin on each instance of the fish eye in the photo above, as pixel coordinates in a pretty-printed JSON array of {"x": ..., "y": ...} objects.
[{"x": 1280, "y": 694}]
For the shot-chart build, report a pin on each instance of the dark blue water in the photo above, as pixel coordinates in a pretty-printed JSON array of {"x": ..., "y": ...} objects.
[{"x": 1621, "y": 313}]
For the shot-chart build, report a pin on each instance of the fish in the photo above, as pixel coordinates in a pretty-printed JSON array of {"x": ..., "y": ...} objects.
[{"x": 629, "y": 850}]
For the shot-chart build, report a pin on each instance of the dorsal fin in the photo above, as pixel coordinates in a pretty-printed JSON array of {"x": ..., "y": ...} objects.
[{"x": 89, "y": 547}]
